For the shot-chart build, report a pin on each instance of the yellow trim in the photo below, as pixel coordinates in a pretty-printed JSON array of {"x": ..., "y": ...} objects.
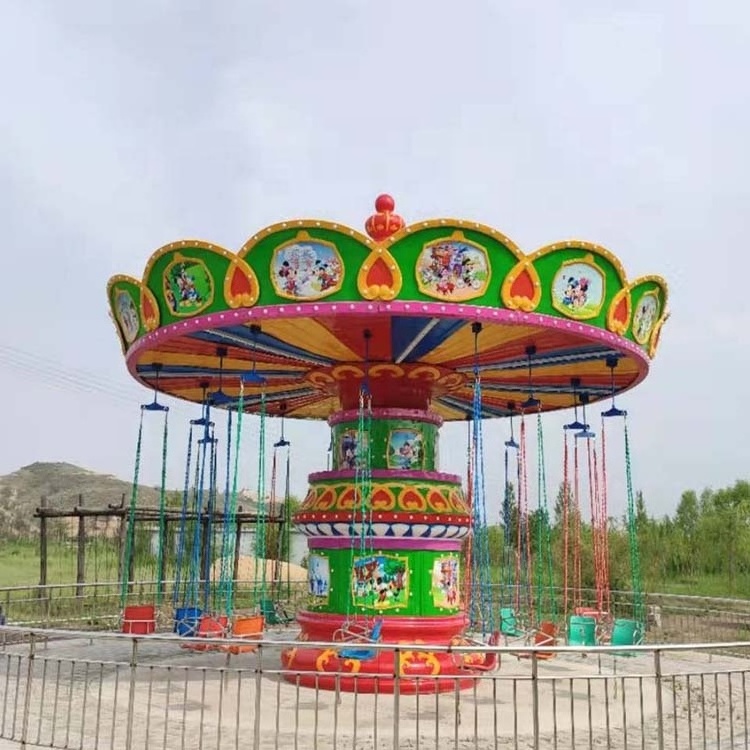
[
  {"x": 112, "y": 289},
  {"x": 656, "y": 335},
  {"x": 587, "y": 260},
  {"x": 178, "y": 258},
  {"x": 652, "y": 341},
  {"x": 381, "y": 291},
  {"x": 149, "y": 323},
  {"x": 426, "y": 372},
  {"x": 457, "y": 224},
  {"x": 182, "y": 245},
  {"x": 617, "y": 326},
  {"x": 654, "y": 279},
  {"x": 462, "y": 295},
  {"x": 303, "y": 236},
  {"x": 347, "y": 371},
  {"x": 120, "y": 277},
  {"x": 301, "y": 225},
  {"x": 240, "y": 300},
  {"x": 120, "y": 337},
  {"x": 384, "y": 369},
  {"x": 521, "y": 303},
  {"x": 587, "y": 247}
]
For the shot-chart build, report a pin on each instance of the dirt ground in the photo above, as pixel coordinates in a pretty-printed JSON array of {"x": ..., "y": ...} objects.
[{"x": 85, "y": 693}]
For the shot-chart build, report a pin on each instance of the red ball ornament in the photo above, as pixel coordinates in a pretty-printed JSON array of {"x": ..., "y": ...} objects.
[
  {"x": 383, "y": 223},
  {"x": 384, "y": 203}
]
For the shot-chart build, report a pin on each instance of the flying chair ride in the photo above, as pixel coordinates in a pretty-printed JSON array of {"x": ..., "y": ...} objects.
[{"x": 387, "y": 336}]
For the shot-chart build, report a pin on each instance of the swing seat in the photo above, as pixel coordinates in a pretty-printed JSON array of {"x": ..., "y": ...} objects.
[
  {"x": 490, "y": 659},
  {"x": 546, "y": 635},
  {"x": 509, "y": 625},
  {"x": 581, "y": 631},
  {"x": 139, "y": 619},
  {"x": 211, "y": 628},
  {"x": 246, "y": 628},
  {"x": 627, "y": 633},
  {"x": 274, "y": 613},
  {"x": 186, "y": 620},
  {"x": 362, "y": 653},
  {"x": 590, "y": 612}
]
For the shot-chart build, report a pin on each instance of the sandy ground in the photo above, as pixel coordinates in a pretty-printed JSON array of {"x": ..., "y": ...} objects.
[{"x": 82, "y": 690}]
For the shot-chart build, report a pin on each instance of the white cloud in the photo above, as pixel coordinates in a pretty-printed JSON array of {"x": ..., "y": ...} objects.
[{"x": 126, "y": 126}]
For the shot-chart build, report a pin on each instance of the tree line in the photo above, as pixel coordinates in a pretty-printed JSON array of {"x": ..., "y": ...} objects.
[{"x": 703, "y": 547}]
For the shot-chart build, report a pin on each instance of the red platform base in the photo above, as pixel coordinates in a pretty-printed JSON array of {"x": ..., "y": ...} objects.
[
  {"x": 356, "y": 667},
  {"x": 419, "y": 672}
]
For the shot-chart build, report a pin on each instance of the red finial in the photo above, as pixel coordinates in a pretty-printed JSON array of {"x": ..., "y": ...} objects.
[{"x": 384, "y": 222}]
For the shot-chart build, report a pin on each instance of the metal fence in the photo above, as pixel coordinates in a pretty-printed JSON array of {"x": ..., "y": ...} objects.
[
  {"x": 84, "y": 689},
  {"x": 97, "y": 606}
]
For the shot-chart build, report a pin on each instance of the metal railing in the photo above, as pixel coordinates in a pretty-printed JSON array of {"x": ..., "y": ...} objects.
[
  {"x": 83, "y": 689},
  {"x": 97, "y": 606}
]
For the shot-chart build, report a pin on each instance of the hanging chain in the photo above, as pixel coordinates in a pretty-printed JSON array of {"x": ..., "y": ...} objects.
[
  {"x": 129, "y": 544},
  {"x": 162, "y": 544},
  {"x": 635, "y": 564}
]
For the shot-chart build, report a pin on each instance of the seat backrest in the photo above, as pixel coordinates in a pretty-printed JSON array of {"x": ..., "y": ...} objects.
[
  {"x": 507, "y": 621},
  {"x": 376, "y": 630}
]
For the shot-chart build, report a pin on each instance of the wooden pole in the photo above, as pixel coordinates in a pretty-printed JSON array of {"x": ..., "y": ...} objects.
[
  {"x": 43, "y": 549},
  {"x": 121, "y": 543},
  {"x": 81, "y": 562},
  {"x": 163, "y": 562},
  {"x": 237, "y": 540}
]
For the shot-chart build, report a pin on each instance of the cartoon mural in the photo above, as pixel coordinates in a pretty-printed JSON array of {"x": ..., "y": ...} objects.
[
  {"x": 319, "y": 578},
  {"x": 405, "y": 450},
  {"x": 453, "y": 269},
  {"x": 127, "y": 315},
  {"x": 307, "y": 269},
  {"x": 380, "y": 581},
  {"x": 445, "y": 577},
  {"x": 188, "y": 286},
  {"x": 351, "y": 455},
  {"x": 578, "y": 289},
  {"x": 646, "y": 315}
]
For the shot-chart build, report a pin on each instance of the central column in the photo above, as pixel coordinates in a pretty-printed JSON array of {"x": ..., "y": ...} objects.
[{"x": 405, "y": 569}]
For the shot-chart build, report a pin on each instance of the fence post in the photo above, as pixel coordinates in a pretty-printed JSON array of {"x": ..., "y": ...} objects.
[
  {"x": 121, "y": 529},
  {"x": 396, "y": 696},
  {"x": 81, "y": 557},
  {"x": 659, "y": 704},
  {"x": 258, "y": 690},
  {"x": 27, "y": 692},
  {"x": 535, "y": 697},
  {"x": 131, "y": 695},
  {"x": 43, "y": 551}
]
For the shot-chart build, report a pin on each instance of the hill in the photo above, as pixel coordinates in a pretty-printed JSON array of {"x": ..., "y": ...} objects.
[
  {"x": 61, "y": 484},
  {"x": 64, "y": 485}
]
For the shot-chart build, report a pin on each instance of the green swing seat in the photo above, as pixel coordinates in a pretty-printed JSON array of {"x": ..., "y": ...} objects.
[{"x": 274, "y": 613}]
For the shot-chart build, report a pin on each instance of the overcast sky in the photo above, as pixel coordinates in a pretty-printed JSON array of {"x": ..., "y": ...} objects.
[{"x": 125, "y": 126}]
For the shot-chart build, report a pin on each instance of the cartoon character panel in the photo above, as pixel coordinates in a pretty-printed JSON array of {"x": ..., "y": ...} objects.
[
  {"x": 380, "y": 582},
  {"x": 127, "y": 315},
  {"x": 319, "y": 578},
  {"x": 188, "y": 286},
  {"x": 453, "y": 269},
  {"x": 445, "y": 582},
  {"x": 352, "y": 452},
  {"x": 645, "y": 317},
  {"x": 306, "y": 269},
  {"x": 578, "y": 289},
  {"x": 405, "y": 450}
]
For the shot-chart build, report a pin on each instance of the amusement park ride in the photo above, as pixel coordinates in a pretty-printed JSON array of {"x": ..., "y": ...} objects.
[{"x": 387, "y": 336}]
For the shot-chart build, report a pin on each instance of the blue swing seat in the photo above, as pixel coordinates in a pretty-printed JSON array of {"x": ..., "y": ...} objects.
[{"x": 362, "y": 653}]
